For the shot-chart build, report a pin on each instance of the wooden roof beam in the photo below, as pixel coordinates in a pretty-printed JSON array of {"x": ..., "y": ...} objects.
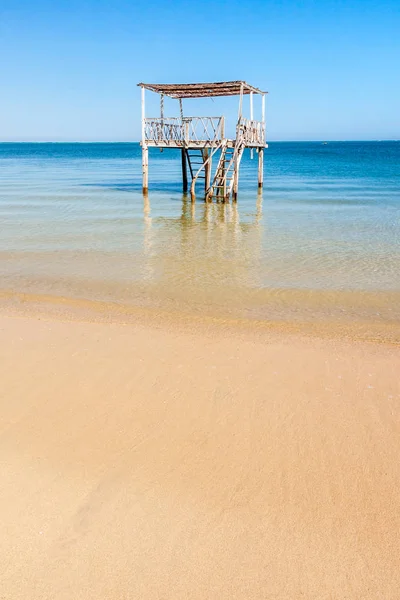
[{"x": 201, "y": 90}]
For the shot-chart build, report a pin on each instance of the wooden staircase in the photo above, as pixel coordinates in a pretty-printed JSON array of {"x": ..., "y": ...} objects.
[
  {"x": 227, "y": 171},
  {"x": 224, "y": 182}
]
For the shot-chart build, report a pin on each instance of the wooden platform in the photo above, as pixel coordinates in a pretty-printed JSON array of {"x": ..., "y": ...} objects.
[{"x": 206, "y": 136}]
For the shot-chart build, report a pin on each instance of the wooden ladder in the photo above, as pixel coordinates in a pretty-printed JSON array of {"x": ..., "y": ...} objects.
[
  {"x": 196, "y": 159},
  {"x": 227, "y": 169},
  {"x": 200, "y": 166}
]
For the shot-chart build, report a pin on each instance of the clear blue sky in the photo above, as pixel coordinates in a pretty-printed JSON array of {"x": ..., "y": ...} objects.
[{"x": 69, "y": 68}]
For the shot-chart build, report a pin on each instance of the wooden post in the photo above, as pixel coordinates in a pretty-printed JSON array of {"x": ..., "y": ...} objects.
[
  {"x": 222, "y": 121},
  {"x": 162, "y": 115},
  {"x": 192, "y": 192},
  {"x": 184, "y": 171},
  {"x": 251, "y": 119},
  {"x": 261, "y": 150},
  {"x": 145, "y": 150},
  {"x": 260, "y": 167},
  {"x": 236, "y": 165},
  {"x": 225, "y": 198},
  {"x": 263, "y": 115},
  {"x": 186, "y": 130},
  {"x": 225, "y": 194},
  {"x": 235, "y": 181},
  {"x": 240, "y": 103},
  {"x": 258, "y": 206},
  {"x": 145, "y": 169},
  {"x": 207, "y": 169}
]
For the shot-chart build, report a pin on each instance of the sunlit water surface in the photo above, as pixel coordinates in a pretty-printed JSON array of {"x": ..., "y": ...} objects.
[{"x": 321, "y": 242}]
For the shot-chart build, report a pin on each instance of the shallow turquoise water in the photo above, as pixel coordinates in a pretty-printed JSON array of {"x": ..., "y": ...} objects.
[{"x": 321, "y": 241}]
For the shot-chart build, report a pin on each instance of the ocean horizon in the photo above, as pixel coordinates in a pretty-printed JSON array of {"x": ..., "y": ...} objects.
[{"x": 321, "y": 140}]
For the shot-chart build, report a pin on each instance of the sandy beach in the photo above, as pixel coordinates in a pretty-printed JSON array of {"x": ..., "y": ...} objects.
[
  {"x": 155, "y": 461},
  {"x": 199, "y": 300}
]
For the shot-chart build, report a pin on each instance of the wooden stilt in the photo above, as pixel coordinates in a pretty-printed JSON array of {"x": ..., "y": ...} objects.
[
  {"x": 263, "y": 110},
  {"x": 240, "y": 103},
  {"x": 259, "y": 205},
  {"x": 207, "y": 169},
  {"x": 145, "y": 168},
  {"x": 260, "y": 167},
  {"x": 225, "y": 196},
  {"x": 235, "y": 181},
  {"x": 184, "y": 171},
  {"x": 145, "y": 150}
]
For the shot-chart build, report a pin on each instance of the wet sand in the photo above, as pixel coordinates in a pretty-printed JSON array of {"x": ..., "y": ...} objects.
[{"x": 162, "y": 462}]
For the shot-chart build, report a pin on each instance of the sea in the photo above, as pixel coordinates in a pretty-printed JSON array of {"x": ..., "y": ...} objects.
[{"x": 318, "y": 246}]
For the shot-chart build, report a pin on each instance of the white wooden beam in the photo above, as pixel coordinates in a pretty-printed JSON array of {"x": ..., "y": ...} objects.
[
  {"x": 143, "y": 116},
  {"x": 251, "y": 118},
  {"x": 240, "y": 102},
  {"x": 145, "y": 151},
  {"x": 263, "y": 108}
]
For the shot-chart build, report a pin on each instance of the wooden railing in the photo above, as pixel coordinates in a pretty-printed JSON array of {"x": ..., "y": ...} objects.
[
  {"x": 251, "y": 132},
  {"x": 175, "y": 131},
  {"x": 202, "y": 131}
]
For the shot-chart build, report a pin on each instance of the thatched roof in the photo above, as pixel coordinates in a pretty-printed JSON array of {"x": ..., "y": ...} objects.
[{"x": 201, "y": 90}]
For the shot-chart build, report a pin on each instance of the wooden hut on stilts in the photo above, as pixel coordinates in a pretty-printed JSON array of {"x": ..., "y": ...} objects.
[{"x": 202, "y": 139}]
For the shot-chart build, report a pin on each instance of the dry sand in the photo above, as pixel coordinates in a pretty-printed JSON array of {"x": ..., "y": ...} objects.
[{"x": 152, "y": 462}]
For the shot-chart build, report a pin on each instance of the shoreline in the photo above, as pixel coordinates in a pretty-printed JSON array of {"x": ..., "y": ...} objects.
[
  {"x": 152, "y": 459},
  {"x": 82, "y": 309}
]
